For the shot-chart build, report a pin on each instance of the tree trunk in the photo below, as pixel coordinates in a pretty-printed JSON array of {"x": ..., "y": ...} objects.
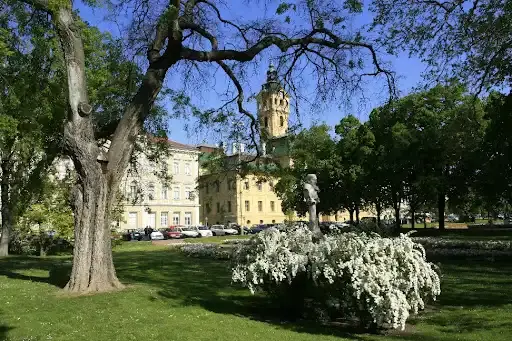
[
  {"x": 440, "y": 208},
  {"x": 425, "y": 220},
  {"x": 7, "y": 219},
  {"x": 93, "y": 268},
  {"x": 357, "y": 214},
  {"x": 396, "y": 207},
  {"x": 413, "y": 218},
  {"x": 378, "y": 208},
  {"x": 351, "y": 213}
]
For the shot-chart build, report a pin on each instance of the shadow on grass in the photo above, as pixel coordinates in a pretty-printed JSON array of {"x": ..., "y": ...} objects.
[
  {"x": 51, "y": 270},
  {"x": 207, "y": 283},
  {"x": 4, "y": 329}
]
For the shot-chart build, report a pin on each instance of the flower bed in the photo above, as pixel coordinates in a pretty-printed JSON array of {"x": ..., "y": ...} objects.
[
  {"x": 442, "y": 243},
  {"x": 203, "y": 250},
  {"x": 235, "y": 241}
]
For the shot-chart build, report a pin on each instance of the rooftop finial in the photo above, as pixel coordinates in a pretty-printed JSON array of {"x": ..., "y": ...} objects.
[{"x": 271, "y": 67}]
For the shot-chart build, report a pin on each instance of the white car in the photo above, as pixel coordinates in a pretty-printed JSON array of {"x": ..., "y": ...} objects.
[
  {"x": 157, "y": 235},
  {"x": 221, "y": 230},
  {"x": 204, "y": 231},
  {"x": 188, "y": 231}
]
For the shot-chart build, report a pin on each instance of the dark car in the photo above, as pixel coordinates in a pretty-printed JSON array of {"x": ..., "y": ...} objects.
[
  {"x": 133, "y": 234},
  {"x": 239, "y": 228},
  {"x": 259, "y": 228}
]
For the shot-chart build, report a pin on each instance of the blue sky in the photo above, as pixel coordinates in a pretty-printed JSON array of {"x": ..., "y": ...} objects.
[{"x": 408, "y": 71}]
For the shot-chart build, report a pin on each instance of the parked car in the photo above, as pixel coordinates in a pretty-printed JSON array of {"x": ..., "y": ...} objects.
[
  {"x": 221, "y": 230},
  {"x": 133, "y": 234},
  {"x": 171, "y": 233},
  {"x": 452, "y": 218},
  {"x": 259, "y": 228},
  {"x": 203, "y": 231},
  {"x": 188, "y": 232},
  {"x": 156, "y": 235},
  {"x": 238, "y": 228}
]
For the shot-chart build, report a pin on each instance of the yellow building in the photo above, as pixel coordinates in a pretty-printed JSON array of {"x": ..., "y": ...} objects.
[{"x": 248, "y": 199}]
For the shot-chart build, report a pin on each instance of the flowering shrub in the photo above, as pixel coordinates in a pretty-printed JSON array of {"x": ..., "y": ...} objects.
[
  {"x": 378, "y": 280},
  {"x": 211, "y": 251}
]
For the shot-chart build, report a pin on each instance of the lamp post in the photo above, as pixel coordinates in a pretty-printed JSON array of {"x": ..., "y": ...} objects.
[{"x": 238, "y": 125}]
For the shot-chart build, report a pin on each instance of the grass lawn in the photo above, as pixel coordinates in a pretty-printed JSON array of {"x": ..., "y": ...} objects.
[{"x": 170, "y": 297}]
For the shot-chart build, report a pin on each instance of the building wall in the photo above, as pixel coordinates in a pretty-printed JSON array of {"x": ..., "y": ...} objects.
[
  {"x": 158, "y": 199},
  {"x": 215, "y": 199}
]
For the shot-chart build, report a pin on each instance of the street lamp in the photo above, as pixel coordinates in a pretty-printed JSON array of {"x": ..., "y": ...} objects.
[{"x": 238, "y": 126}]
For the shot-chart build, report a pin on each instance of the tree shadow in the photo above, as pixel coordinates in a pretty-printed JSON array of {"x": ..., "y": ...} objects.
[
  {"x": 207, "y": 283},
  {"x": 4, "y": 329},
  {"x": 52, "y": 270},
  {"x": 476, "y": 283}
]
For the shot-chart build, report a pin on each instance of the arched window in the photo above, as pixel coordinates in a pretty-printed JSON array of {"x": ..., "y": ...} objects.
[
  {"x": 280, "y": 102},
  {"x": 266, "y": 122},
  {"x": 281, "y": 121}
]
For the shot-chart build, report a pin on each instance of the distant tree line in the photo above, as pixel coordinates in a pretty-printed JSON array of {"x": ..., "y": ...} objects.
[{"x": 433, "y": 149}]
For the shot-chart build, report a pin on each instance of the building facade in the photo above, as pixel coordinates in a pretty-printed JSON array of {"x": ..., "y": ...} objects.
[
  {"x": 248, "y": 199},
  {"x": 151, "y": 200}
]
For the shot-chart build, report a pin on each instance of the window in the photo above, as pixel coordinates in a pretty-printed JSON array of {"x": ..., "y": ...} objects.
[
  {"x": 260, "y": 206},
  {"x": 133, "y": 190},
  {"x": 229, "y": 206},
  {"x": 188, "y": 193},
  {"x": 261, "y": 221},
  {"x": 176, "y": 193},
  {"x": 164, "y": 192},
  {"x": 188, "y": 218},
  {"x": 246, "y": 184},
  {"x": 176, "y": 218},
  {"x": 132, "y": 220},
  {"x": 273, "y": 221},
  {"x": 259, "y": 185},
  {"x": 218, "y": 207},
  {"x": 176, "y": 168},
  {"x": 272, "y": 206},
  {"x": 266, "y": 122},
  {"x": 217, "y": 186},
  {"x": 164, "y": 219},
  {"x": 281, "y": 102},
  {"x": 271, "y": 185},
  {"x": 151, "y": 191},
  {"x": 247, "y": 206},
  {"x": 208, "y": 208},
  {"x": 248, "y": 222},
  {"x": 281, "y": 119},
  {"x": 187, "y": 169}
]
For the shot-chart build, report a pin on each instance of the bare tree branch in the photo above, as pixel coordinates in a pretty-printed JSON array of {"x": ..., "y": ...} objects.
[{"x": 240, "y": 101}]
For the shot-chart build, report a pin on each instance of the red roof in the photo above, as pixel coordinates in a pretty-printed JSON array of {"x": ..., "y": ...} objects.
[{"x": 176, "y": 145}]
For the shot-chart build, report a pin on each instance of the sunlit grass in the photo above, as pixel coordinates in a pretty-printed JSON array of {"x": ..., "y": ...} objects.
[{"x": 171, "y": 297}]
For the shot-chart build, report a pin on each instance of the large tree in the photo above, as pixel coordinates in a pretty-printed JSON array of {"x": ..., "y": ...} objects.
[
  {"x": 178, "y": 32},
  {"x": 469, "y": 39},
  {"x": 31, "y": 131}
]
